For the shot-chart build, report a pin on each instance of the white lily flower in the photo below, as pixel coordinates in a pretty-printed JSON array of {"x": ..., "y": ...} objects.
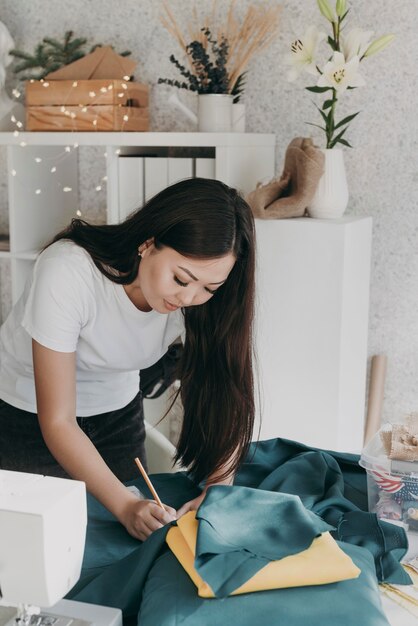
[
  {"x": 303, "y": 52},
  {"x": 340, "y": 74},
  {"x": 355, "y": 43}
]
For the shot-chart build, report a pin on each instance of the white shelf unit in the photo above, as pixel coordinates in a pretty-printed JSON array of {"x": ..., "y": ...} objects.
[{"x": 41, "y": 201}]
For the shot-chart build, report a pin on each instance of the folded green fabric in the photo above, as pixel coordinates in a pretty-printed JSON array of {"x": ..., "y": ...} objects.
[
  {"x": 386, "y": 542},
  {"x": 334, "y": 486},
  {"x": 241, "y": 530}
]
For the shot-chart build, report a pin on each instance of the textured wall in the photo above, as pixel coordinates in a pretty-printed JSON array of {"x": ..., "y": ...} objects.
[{"x": 382, "y": 168}]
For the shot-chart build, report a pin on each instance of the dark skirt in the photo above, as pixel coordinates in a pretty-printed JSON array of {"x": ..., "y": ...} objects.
[{"x": 119, "y": 437}]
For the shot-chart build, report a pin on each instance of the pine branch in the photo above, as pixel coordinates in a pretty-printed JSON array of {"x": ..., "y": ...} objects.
[
  {"x": 68, "y": 35},
  {"x": 54, "y": 44},
  {"x": 51, "y": 54},
  {"x": 20, "y": 55},
  {"x": 125, "y": 53}
]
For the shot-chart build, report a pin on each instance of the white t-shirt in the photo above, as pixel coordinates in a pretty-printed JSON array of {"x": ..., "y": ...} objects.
[{"x": 70, "y": 306}]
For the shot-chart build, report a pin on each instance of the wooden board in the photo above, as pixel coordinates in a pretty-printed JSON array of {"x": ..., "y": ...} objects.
[
  {"x": 86, "y": 92},
  {"x": 92, "y": 118}
]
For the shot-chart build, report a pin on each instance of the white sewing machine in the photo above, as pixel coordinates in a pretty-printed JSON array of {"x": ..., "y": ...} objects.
[{"x": 42, "y": 534}]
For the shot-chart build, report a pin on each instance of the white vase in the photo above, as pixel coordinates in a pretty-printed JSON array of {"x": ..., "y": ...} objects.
[
  {"x": 238, "y": 117},
  {"x": 215, "y": 113},
  {"x": 331, "y": 196}
]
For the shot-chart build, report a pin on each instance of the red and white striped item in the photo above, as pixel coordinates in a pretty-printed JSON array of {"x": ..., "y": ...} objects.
[{"x": 386, "y": 481}]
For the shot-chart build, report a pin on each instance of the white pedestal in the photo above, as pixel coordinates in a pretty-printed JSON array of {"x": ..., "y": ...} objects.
[{"x": 311, "y": 329}]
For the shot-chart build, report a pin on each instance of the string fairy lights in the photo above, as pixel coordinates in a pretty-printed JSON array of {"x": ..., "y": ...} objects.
[
  {"x": 66, "y": 149},
  {"x": 95, "y": 99},
  {"x": 86, "y": 115},
  {"x": 51, "y": 165}
]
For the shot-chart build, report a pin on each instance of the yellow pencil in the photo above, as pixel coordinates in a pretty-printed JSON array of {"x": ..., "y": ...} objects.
[{"x": 149, "y": 483}]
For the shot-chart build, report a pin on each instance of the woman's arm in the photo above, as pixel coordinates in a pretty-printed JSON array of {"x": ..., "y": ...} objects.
[{"x": 55, "y": 381}]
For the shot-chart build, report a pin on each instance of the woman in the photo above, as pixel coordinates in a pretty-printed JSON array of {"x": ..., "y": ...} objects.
[{"x": 107, "y": 301}]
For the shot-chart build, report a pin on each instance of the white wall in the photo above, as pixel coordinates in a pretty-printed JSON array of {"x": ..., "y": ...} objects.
[{"x": 382, "y": 168}]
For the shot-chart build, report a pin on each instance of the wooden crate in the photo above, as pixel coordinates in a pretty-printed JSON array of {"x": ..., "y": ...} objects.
[{"x": 87, "y": 105}]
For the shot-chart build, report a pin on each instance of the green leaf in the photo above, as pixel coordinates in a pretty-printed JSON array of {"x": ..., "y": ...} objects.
[
  {"x": 327, "y": 104},
  {"x": 332, "y": 43},
  {"x": 318, "y": 89},
  {"x": 344, "y": 142},
  {"x": 324, "y": 116},
  {"x": 346, "y": 120},
  {"x": 239, "y": 87},
  {"x": 317, "y": 125},
  {"x": 338, "y": 137}
]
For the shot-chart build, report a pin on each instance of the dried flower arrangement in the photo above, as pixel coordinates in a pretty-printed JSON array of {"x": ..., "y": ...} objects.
[
  {"x": 209, "y": 74},
  {"x": 218, "y": 56}
]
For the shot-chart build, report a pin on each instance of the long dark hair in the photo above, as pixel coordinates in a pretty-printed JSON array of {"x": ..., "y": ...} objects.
[{"x": 199, "y": 218}]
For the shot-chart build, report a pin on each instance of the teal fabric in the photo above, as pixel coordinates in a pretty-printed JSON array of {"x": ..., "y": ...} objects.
[
  {"x": 334, "y": 486},
  {"x": 120, "y": 572},
  {"x": 170, "y": 599},
  {"x": 107, "y": 541},
  {"x": 241, "y": 530}
]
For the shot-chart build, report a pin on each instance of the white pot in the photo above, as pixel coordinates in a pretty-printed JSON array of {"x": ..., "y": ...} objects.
[
  {"x": 215, "y": 113},
  {"x": 238, "y": 118},
  {"x": 331, "y": 196}
]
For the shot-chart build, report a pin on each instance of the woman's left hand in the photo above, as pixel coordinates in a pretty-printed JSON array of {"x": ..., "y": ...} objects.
[{"x": 192, "y": 505}]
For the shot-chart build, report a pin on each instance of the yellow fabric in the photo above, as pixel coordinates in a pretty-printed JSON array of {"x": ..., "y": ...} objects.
[{"x": 323, "y": 562}]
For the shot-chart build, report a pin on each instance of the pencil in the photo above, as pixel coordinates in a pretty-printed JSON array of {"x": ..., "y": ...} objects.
[{"x": 149, "y": 483}]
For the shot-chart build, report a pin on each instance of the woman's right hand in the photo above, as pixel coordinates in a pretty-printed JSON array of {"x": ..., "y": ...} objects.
[{"x": 142, "y": 517}]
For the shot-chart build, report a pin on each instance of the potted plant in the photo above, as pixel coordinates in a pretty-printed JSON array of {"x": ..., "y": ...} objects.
[
  {"x": 216, "y": 65},
  {"x": 335, "y": 77},
  {"x": 209, "y": 78}
]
